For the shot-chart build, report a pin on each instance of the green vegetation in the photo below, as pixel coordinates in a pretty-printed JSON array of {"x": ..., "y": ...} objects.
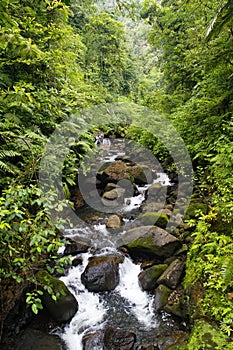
[{"x": 58, "y": 57}]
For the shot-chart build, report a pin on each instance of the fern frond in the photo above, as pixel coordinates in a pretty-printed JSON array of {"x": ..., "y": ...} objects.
[
  {"x": 8, "y": 154},
  {"x": 227, "y": 271},
  {"x": 6, "y": 168}
]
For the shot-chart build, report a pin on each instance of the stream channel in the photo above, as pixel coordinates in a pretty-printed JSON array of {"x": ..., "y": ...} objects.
[{"x": 126, "y": 307}]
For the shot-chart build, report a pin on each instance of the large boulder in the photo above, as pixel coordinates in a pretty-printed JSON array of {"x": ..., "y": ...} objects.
[
  {"x": 148, "y": 278},
  {"x": 171, "y": 277},
  {"x": 141, "y": 174},
  {"x": 149, "y": 241},
  {"x": 34, "y": 339},
  {"x": 65, "y": 306},
  {"x": 118, "y": 339},
  {"x": 121, "y": 170},
  {"x": 115, "y": 172},
  {"x": 102, "y": 273}
]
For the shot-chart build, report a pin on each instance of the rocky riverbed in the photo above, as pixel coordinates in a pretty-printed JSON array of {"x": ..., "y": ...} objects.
[{"x": 124, "y": 289}]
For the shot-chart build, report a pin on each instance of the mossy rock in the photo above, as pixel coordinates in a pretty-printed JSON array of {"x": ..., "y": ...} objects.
[
  {"x": 174, "y": 309},
  {"x": 150, "y": 242},
  {"x": 176, "y": 340},
  {"x": 66, "y": 305},
  {"x": 162, "y": 294},
  {"x": 140, "y": 174},
  {"x": 193, "y": 208},
  {"x": 205, "y": 336},
  {"x": 221, "y": 226},
  {"x": 148, "y": 277},
  {"x": 152, "y": 218}
]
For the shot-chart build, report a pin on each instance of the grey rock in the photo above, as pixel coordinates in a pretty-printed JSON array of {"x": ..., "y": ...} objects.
[
  {"x": 149, "y": 241},
  {"x": 171, "y": 277},
  {"x": 102, "y": 273}
]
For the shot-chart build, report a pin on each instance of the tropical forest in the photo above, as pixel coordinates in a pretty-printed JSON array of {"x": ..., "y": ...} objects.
[{"x": 116, "y": 186}]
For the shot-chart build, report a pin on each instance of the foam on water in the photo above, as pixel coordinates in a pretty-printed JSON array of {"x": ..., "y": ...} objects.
[
  {"x": 91, "y": 310},
  {"x": 129, "y": 289}
]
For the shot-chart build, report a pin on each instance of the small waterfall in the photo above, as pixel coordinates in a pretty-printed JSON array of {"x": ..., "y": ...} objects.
[
  {"x": 139, "y": 301},
  {"x": 95, "y": 310},
  {"x": 91, "y": 310}
]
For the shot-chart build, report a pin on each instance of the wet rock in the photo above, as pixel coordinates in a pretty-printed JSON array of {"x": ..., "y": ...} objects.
[
  {"x": 125, "y": 170},
  {"x": 111, "y": 195},
  {"x": 156, "y": 189},
  {"x": 102, "y": 273},
  {"x": 114, "y": 197},
  {"x": 34, "y": 339},
  {"x": 182, "y": 251},
  {"x": 152, "y": 207},
  {"x": 147, "y": 347},
  {"x": 148, "y": 277},
  {"x": 116, "y": 171},
  {"x": 77, "y": 261},
  {"x": 114, "y": 221},
  {"x": 161, "y": 297},
  {"x": 166, "y": 211},
  {"x": 176, "y": 304},
  {"x": 66, "y": 305},
  {"x": 118, "y": 339},
  {"x": 146, "y": 264},
  {"x": 149, "y": 241},
  {"x": 174, "y": 341},
  {"x": 141, "y": 174},
  {"x": 171, "y": 277},
  {"x": 154, "y": 218},
  {"x": 110, "y": 186},
  {"x": 75, "y": 247},
  {"x": 174, "y": 309},
  {"x": 93, "y": 341}
]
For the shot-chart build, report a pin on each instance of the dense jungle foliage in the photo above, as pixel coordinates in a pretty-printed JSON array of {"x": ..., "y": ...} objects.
[{"x": 58, "y": 57}]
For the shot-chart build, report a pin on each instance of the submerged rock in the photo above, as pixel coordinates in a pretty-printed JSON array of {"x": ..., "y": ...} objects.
[
  {"x": 149, "y": 241},
  {"x": 102, "y": 273},
  {"x": 93, "y": 340},
  {"x": 118, "y": 339}
]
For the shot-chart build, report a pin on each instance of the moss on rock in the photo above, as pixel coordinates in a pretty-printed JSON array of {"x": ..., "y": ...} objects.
[
  {"x": 205, "y": 336},
  {"x": 152, "y": 218},
  {"x": 148, "y": 277},
  {"x": 65, "y": 306}
]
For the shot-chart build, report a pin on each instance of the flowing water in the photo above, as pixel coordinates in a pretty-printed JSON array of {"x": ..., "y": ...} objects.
[{"x": 127, "y": 306}]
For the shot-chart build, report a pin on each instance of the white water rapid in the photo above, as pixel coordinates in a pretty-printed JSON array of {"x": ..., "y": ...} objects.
[
  {"x": 128, "y": 306},
  {"x": 94, "y": 311}
]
